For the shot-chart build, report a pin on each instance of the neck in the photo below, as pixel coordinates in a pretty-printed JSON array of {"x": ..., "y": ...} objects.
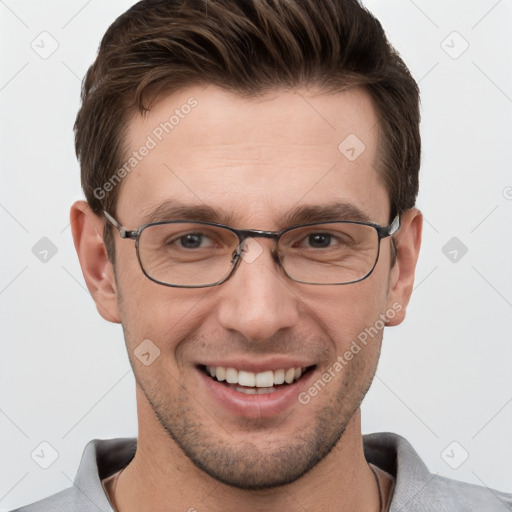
[{"x": 160, "y": 474}]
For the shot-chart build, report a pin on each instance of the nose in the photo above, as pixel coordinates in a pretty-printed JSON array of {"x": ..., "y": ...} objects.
[{"x": 258, "y": 300}]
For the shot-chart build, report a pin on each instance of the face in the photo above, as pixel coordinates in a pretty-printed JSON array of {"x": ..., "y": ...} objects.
[{"x": 253, "y": 162}]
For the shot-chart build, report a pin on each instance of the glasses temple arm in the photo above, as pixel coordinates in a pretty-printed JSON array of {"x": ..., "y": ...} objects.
[
  {"x": 394, "y": 226},
  {"x": 122, "y": 230}
]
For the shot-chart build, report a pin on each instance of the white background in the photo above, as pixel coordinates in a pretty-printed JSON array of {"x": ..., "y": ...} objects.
[{"x": 445, "y": 374}]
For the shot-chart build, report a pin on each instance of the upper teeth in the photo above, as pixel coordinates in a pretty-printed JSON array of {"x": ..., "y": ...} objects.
[{"x": 260, "y": 380}]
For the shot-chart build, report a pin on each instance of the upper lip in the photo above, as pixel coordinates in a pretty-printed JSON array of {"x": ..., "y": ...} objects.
[{"x": 250, "y": 365}]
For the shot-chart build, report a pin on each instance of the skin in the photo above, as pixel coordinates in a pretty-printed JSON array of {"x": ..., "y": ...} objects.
[{"x": 255, "y": 159}]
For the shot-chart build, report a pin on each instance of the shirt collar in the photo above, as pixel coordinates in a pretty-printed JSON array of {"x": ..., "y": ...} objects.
[{"x": 391, "y": 452}]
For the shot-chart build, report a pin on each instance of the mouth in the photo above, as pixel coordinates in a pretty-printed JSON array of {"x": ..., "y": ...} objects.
[{"x": 256, "y": 383}]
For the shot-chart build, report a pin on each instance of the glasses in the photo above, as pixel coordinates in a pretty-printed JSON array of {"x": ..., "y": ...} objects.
[{"x": 196, "y": 254}]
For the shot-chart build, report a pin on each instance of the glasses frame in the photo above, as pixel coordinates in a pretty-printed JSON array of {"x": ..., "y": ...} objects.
[{"x": 243, "y": 235}]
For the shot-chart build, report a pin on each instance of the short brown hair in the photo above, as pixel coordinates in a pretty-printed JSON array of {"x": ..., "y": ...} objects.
[{"x": 249, "y": 47}]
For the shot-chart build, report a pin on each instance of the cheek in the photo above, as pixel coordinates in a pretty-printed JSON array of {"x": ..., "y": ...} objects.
[
  {"x": 345, "y": 312},
  {"x": 150, "y": 311}
]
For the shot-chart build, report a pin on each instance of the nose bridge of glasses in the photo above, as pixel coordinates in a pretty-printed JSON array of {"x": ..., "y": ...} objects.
[
  {"x": 244, "y": 234},
  {"x": 249, "y": 249}
]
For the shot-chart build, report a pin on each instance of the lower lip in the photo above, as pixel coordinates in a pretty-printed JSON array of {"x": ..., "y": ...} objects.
[{"x": 255, "y": 406}]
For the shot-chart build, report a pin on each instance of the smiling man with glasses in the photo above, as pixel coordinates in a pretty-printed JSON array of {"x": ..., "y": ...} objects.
[{"x": 251, "y": 169}]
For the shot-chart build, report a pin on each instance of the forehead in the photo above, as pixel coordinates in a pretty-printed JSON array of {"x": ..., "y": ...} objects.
[{"x": 253, "y": 158}]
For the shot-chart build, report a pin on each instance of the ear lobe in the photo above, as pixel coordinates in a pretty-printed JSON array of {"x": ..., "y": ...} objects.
[
  {"x": 98, "y": 272},
  {"x": 408, "y": 242}
]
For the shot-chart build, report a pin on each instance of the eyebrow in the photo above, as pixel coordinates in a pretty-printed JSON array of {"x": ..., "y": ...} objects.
[
  {"x": 323, "y": 213},
  {"x": 174, "y": 210}
]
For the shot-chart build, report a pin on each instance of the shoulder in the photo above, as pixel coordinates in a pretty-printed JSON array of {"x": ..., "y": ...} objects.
[
  {"x": 72, "y": 499},
  {"x": 60, "y": 502},
  {"x": 419, "y": 490},
  {"x": 101, "y": 458},
  {"x": 446, "y": 494}
]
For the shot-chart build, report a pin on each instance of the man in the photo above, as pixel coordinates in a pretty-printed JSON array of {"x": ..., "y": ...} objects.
[{"x": 251, "y": 170}]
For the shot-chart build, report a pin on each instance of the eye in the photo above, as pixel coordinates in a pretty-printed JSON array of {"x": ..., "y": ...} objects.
[
  {"x": 319, "y": 240},
  {"x": 192, "y": 240},
  {"x": 332, "y": 239}
]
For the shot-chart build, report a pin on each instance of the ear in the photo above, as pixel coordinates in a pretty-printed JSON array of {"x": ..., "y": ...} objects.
[
  {"x": 87, "y": 228},
  {"x": 408, "y": 242}
]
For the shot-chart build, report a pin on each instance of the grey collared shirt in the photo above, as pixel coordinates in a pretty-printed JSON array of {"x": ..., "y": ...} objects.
[{"x": 416, "y": 489}]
